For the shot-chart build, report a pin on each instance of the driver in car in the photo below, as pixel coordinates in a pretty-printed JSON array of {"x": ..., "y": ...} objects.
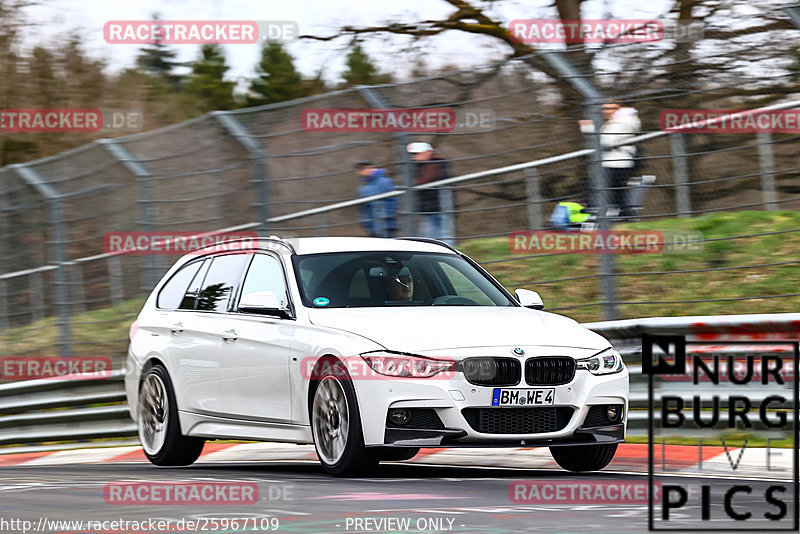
[{"x": 400, "y": 284}]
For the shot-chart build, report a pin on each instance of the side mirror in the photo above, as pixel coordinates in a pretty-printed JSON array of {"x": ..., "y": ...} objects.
[
  {"x": 263, "y": 302},
  {"x": 529, "y": 299}
]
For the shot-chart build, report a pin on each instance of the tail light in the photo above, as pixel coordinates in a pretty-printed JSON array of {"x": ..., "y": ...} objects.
[{"x": 132, "y": 330}]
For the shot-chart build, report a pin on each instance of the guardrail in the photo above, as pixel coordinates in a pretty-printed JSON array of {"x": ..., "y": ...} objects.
[
  {"x": 35, "y": 412},
  {"x": 72, "y": 408}
]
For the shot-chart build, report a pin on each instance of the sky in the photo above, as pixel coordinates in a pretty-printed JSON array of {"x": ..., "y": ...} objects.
[{"x": 54, "y": 18}]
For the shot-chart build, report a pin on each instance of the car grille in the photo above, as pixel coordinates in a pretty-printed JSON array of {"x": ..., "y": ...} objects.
[
  {"x": 421, "y": 418},
  {"x": 517, "y": 420},
  {"x": 549, "y": 370},
  {"x": 491, "y": 371}
]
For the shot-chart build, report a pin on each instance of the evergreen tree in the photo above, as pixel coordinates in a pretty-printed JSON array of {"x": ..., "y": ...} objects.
[
  {"x": 158, "y": 61},
  {"x": 207, "y": 83},
  {"x": 277, "y": 79},
  {"x": 361, "y": 70}
]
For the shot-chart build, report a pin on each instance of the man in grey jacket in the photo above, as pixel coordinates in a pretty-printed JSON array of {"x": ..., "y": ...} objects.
[{"x": 621, "y": 124}]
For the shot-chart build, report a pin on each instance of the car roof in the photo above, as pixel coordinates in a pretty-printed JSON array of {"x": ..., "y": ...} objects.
[{"x": 317, "y": 245}]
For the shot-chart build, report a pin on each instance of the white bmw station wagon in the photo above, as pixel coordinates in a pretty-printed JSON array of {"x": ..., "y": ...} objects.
[{"x": 369, "y": 349}]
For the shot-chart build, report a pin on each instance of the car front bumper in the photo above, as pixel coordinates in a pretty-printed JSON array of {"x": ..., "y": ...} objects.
[{"x": 449, "y": 397}]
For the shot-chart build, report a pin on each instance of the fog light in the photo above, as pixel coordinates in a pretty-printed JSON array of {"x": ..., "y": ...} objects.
[
  {"x": 613, "y": 413},
  {"x": 399, "y": 416}
]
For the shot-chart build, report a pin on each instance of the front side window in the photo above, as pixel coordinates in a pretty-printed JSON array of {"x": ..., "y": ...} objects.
[
  {"x": 379, "y": 279},
  {"x": 265, "y": 274},
  {"x": 171, "y": 295},
  {"x": 221, "y": 282}
]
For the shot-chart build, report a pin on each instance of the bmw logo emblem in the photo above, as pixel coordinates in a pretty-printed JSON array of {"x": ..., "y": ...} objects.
[{"x": 518, "y": 351}]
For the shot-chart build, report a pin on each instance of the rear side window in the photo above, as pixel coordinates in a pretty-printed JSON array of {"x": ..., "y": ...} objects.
[
  {"x": 171, "y": 295},
  {"x": 189, "y": 300},
  {"x": 221, "y": 282}
]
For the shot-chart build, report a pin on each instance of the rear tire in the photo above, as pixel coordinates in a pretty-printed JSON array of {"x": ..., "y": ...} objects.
[
  {"x": 581, "y": 458},
  {"x": 336, "y": 426},
  {"x": 158, "y": 424}
]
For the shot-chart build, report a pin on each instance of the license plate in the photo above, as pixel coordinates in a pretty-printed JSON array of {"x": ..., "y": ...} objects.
[{"x": 523, "y": 397}]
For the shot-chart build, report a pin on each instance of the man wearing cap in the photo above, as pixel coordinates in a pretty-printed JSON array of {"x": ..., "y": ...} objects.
[
  {"x": 430, "y": 168},
  {"x": 379, "y": 216}
]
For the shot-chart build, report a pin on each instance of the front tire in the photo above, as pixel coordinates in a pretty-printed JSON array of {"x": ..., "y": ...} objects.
[
  {"x": 581, "y": 458},
  {"x": 336, "y": 426},
  {"x": 158, "y": 424}
]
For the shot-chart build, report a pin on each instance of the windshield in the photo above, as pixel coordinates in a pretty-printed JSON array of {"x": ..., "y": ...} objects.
[{"x": 378, "y": 279}]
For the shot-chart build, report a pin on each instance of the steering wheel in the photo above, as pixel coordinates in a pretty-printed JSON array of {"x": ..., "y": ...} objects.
[{"x": 453, "y": 300}]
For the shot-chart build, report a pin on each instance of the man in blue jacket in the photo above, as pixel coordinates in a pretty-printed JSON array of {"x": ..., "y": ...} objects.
[{"x": 379, "y": 216}]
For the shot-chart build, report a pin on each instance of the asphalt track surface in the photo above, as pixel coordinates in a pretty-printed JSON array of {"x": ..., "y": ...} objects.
[{"x": 297, "y": 496}]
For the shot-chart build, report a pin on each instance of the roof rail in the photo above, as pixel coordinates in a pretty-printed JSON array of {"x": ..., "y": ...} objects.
[
  {"x": 273, "y": 238},
  {"x": 431, "y": 241},
  {"x": 281, "y": 241}
]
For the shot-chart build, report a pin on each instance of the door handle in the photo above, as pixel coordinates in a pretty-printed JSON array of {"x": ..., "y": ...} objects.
[
  {"x": 177, "y": 328},
  {"x": 230, "y": 335}
]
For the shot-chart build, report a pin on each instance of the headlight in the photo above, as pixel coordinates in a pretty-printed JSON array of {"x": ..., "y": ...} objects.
[
  {"x": 603, "y": 363},
  {"x": 406, "y": 365}
]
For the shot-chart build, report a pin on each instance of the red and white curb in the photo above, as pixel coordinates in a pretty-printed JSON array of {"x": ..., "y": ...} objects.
[{"x": 632, "y": 457}]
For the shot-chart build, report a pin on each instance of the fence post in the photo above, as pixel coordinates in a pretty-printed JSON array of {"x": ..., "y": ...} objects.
[
  {"x": 447, "y": 195},
  {"x": 57, "y": 241},
  {"x": 680, "y": 175},
  {"x": 115, "y": 286},
  {"x": 260, "y": 171},
  {"x": 534, "y": 197},
  {"x": 143, "y": 175},
  {"x": 766, "y": 163},
  {"x": 4, "y": 318},
  {"x": 36, "y": 288},
  {"x": 401, "y": 140},
  {"x": 76, "y": 292},
  {"x": 599, "y": 177},
  {"x": 322, "y": 228}
]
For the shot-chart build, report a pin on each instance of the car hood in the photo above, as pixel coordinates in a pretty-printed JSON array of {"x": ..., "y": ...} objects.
[{"x": 417, "y": 329}]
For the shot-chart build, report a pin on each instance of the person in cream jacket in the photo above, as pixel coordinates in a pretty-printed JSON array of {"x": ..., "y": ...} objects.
[{"x": 621, "y": 124}]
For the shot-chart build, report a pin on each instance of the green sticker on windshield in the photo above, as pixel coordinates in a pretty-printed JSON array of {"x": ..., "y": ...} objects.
[{"x": 321, "y": 301}]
